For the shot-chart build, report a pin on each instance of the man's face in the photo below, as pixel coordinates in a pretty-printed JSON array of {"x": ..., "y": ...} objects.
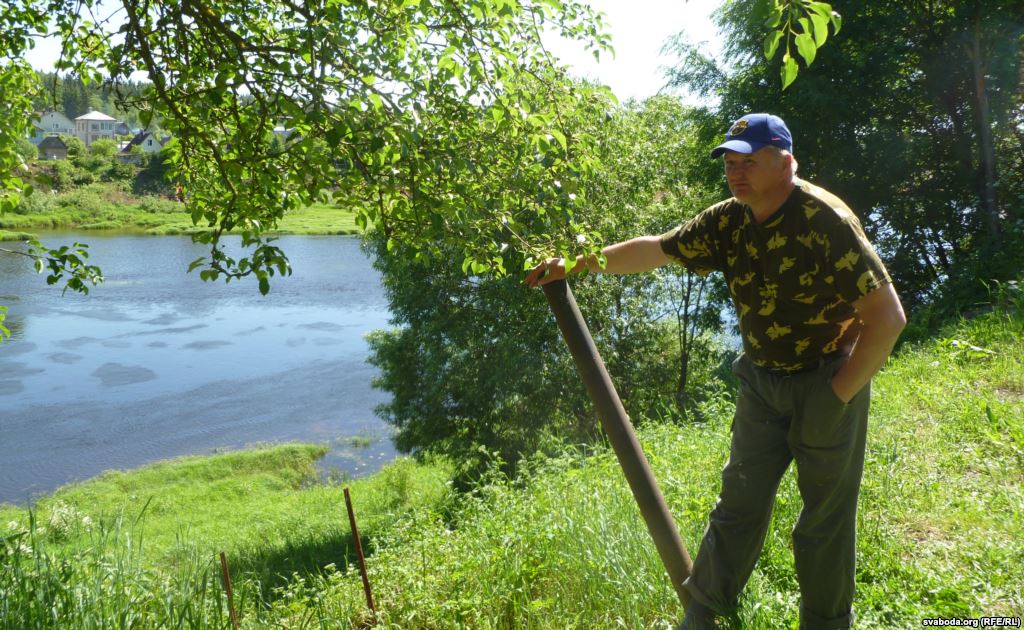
[{"x": 753, "y": 176}]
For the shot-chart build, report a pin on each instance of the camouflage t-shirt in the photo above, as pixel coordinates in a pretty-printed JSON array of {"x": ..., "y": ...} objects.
[{"x": 793, "y": 278}]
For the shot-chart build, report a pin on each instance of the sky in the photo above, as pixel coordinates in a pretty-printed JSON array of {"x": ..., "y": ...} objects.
[{"x": 638, "y": 29}]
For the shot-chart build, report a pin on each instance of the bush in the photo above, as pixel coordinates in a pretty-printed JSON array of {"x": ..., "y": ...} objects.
[
  {"x": 36, "y": 203},
  {"x": 159, "y": 205},
  {"x": 119, "y": 171},
  {"x": 62, "y": 175},
  {"x": 152, "y": 177},
  {"x": 75, "y": 145},
  {"x": 96, "y": 165},
  {"x": 28, "y": 151},
  {"x": 84, "y": 201},
  {"x": 104, "y": 148}
]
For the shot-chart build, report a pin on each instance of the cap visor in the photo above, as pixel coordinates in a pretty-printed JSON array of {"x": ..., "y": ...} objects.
[{"x": 739, "y": 146}]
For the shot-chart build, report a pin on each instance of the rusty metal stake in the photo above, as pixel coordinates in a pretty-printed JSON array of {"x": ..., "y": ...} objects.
[
  {"x": 620, "y": 433},
  {"x": 359, "y": 552},
  {"x": 227, "y": 587}
]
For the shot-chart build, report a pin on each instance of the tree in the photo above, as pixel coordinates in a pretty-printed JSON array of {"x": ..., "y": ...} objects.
[
  {"x": 476, "y": 368},
  {"x": 75, "y": 145},
  {"x": 103, "y": 148},
  {"x": 223, "y": 78},
  {"x": 889, "y": 118}
]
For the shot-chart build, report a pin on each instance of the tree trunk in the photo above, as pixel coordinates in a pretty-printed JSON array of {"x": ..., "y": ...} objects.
[
  {"x": 683, "y": 316},
  {"x": 988, "y": 157}
]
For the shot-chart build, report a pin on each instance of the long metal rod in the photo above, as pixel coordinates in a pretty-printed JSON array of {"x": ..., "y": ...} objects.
[
  {"x": 227, "y": 589},
  {"x": 620, "y": 433},
  {"x": 359, "y": 552}
]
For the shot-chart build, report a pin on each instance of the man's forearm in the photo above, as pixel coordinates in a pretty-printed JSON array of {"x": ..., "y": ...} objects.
[
  {"x": 869, "y": 354},
  {"x": 637, "y": 255}
]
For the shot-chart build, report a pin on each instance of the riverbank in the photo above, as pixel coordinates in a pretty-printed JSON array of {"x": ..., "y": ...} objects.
[
  {"x": 942, "y": 514},
  {"x": 106, "y": 206},
  {"x": 15, "y": 236}
]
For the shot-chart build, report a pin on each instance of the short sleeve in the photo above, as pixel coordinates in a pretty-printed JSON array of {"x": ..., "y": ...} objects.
[
  {"x": 855, "y": 265},
  {"x": 696, "y": 244}
]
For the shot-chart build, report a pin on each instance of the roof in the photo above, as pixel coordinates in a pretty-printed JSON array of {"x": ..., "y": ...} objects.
[
  {"x": 52, "y": 142},
  {"x": 95, "y": 115},
  {"x": 139, "y": 138}
]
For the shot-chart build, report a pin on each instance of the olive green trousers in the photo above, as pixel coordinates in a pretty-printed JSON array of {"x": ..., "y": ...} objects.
[{"x": 780, "y": 418}]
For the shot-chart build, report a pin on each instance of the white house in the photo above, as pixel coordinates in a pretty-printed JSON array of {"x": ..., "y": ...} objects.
[
  {"x": 147, "y": 142},
  {"x": 50, "y": 123},
  {"x": 95, "y": 125}
]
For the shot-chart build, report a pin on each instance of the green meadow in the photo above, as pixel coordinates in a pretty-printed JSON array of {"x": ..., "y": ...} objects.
[
  {"x": 562, "y": 545},
  {"x": 108, "y": 207}
]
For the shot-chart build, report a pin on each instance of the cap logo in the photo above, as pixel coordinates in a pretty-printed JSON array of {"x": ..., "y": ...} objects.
[{"x": 738, "y": 128}]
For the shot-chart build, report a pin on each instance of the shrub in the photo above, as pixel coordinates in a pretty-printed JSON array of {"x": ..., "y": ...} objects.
[
  {"x": 119, "y": 171},
  {"x": 28, "y": 151},
  {"x": 62, "y": 175},
  {"x": 35, "y": 203},
  {"x": 104, "y": 148},
  {"x": 74, "y": 144},
  {"x": 83, "y": 201},
  {"x": 159, "y": 205}
]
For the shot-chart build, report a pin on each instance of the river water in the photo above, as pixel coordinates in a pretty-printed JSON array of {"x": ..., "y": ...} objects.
[{"x": 154, "y": 363}]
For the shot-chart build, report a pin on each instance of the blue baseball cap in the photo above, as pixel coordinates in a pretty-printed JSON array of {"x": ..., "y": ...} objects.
[{"x": 754, "y": 132}]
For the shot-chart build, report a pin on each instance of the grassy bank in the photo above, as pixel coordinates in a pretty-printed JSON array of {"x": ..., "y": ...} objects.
[
  {"x": 14, "y": 236},
  {"x": 109, "y": 207},
  {"x": 941, "y": 520}
]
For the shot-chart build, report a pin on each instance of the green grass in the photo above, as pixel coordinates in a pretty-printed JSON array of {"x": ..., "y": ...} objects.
[
  {"x": 940, "y": 525},
  {"x": 107, "y": 207},
  {"x": 15, "y": 236}
]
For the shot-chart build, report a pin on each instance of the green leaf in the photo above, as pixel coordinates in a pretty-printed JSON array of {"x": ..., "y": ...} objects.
[
  {"x": 771, "y": 43},
  {"x": 264, "y": 285},
  {"x": 805, "y": 46},
  {"x": 820, "y": 27},
  {"x": 837, "y": 22},
  {"x": 775, "y": 14},
  {"x": 558, "y": 135},
  {"x": 789, "y": 70},
  {"x": 823, "y": 9}
]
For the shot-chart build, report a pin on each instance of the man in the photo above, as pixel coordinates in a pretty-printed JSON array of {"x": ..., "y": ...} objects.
[{"x": 818, "y": 316}]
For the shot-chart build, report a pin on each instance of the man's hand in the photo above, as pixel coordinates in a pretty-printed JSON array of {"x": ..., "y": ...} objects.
[{"x": 548, "y": 271}]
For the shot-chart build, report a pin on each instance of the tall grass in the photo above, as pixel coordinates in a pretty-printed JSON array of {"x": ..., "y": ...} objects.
[
  {"x": 563, "y": 545},
  {"x": 139, "y": 549}
]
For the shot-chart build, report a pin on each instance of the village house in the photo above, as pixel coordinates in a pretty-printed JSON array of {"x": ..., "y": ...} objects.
[
  {"x": 94, "y": 126},
  {"x": 50, "y": 123},
  {"x": 147, "y": 141},
  {"x": 53, "y": 148}
]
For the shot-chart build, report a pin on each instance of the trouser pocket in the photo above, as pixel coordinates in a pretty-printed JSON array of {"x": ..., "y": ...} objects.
[{"x": 819, "y": 415}]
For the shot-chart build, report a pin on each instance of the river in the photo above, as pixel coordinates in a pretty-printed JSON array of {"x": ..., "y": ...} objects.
[{"x": 154, "y": 363}]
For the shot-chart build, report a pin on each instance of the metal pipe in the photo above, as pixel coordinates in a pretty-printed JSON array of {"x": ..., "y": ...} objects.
[
  {"x": 359, "y": 552},
  {"x": 227, "y": 589},
  {"x": 620, "y": 433}
]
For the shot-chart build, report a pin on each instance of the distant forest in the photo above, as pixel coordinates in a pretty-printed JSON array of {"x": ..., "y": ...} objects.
[{"x": 72, "y": 97}]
